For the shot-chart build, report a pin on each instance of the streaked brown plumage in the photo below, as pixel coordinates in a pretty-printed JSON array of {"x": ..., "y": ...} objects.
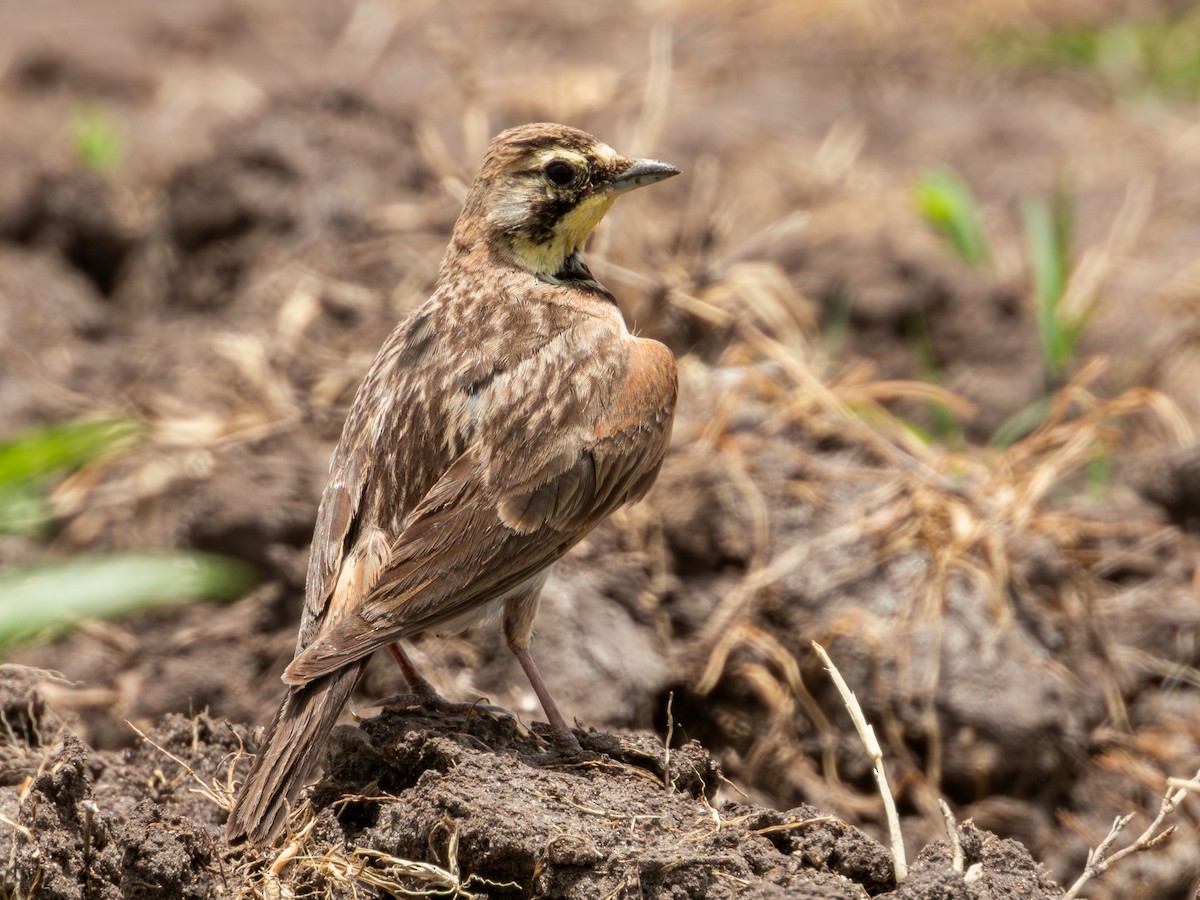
[{"x": 499, "y": 424}]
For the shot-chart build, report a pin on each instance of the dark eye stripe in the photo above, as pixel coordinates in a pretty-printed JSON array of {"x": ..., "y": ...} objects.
[{"x": 544, "y": 216}]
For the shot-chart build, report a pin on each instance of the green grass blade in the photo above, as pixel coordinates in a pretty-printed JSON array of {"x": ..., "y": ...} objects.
[
  {"x": 1099, "y": 474},
  {"x": 835, "y": 319},
  {"x": 30, "y": 458},
  {"x": 1048, "y": 257},
  {"x": 42, "y": 452},
  {"x": 1021, "y": 423},
  {"x": 916, "y": 329},
  {"x": 1157, "y": 54},
  {"x": 96, "y": 138},
  {"x": 24, "y": 510},
  {"x": 45, "y": 599},
  {"x": 945, "y": 202}
]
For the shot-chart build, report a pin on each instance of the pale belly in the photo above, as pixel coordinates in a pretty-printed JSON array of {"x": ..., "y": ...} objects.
[{"x": 488, "y": 612}]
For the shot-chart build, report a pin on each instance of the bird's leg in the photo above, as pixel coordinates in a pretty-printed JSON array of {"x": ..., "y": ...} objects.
[
  {"x": 564, "y": 738},
  {"x": 419, "y": 683},
  {"x": 518, "y": 632},
  {"x": 424, "y": 694}
]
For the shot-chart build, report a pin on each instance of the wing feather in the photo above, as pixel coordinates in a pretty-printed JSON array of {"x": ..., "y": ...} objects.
[
  {"x": 477, "y": 535},
  {"x": 348, "y": 519}
]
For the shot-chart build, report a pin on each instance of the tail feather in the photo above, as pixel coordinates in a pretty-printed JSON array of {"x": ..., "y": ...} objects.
[{"x": 289, "y": 755}]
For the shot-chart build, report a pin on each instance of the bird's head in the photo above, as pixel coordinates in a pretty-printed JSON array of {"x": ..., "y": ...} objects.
[{"x": 543, "y": 188}]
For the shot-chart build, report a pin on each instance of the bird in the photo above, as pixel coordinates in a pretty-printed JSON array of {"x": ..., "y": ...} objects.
[{"x": 501, "y": 421}]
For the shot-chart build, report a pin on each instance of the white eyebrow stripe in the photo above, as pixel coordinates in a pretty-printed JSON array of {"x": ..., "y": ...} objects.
[
  {"x": 605, "y": 152},
  {"x": 547, "y": 154}
]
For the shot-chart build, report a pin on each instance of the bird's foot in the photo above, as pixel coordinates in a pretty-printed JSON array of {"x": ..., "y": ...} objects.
[
  {"x": 566, "y": 743},
  {"x": 557, "y": 746}
]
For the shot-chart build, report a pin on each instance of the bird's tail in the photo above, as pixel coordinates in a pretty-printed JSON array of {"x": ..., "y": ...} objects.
[{"x": 289, "y": 754}]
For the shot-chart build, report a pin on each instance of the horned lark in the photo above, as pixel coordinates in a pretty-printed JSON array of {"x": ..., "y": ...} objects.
[{"x": 501, "y": 421}]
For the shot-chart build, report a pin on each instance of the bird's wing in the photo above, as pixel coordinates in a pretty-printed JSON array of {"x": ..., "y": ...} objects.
[
  {"x": 498, "y": 515},
  {"x": 347, "y": 543},
  {"x": 335, "y": 518}
]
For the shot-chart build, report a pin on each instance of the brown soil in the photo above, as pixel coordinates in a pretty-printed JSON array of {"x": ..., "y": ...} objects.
[{"x": 1023, "y": 638}]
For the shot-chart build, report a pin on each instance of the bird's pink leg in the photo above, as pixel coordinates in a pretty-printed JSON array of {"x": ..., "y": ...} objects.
[
  {"x": 564, "y": 738},
  {"x": 519, "y": 613},
  {"x": 424, "y": 694}
]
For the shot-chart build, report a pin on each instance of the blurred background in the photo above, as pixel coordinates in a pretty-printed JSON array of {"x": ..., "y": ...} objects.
[{"x": 932, "y": 276}]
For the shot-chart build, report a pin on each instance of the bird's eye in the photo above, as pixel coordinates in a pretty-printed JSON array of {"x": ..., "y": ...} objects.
[{"x": 560, "y": 173}]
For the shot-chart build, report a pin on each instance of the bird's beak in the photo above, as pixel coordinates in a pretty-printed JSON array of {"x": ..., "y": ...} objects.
[{"x": 640, "y": 173}]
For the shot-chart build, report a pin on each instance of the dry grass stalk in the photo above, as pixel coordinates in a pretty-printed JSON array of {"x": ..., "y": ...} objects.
[
  {"x": 956, "y": 850},
  {"x": 347, "y": 870},
  {"x": 1099, "y": 862},
  {"x": 214, "y": 792},
  {"x": 723, "y": 633},
  {"x": 968, "y": 513},
  {"x": 667, "y": 783},
  {"x": 957, "y": 859},
  {"x": 867, "y": 734}
]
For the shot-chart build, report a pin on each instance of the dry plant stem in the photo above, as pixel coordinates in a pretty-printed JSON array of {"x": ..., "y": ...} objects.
[
  {"x": 887, "y": 451},
  {"x": 667, "y": 742},
  {"x": 90, "y": 809},
  {"x": 1100, "y": 862},
  {"x": 867, "y": 734},
  {"x": 956, "y": 849},
  {"x": 206, "y": 790}
]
